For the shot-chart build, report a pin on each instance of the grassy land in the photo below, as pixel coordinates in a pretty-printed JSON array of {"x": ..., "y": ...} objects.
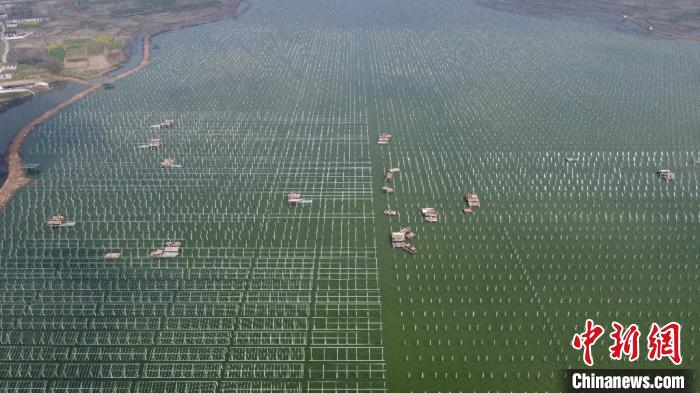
[
  {"x": 57, "y": 52},
  {"x": 95, "y": 25}
]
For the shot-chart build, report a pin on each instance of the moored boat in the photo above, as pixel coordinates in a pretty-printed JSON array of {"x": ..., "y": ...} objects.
[
  {"x": 59, "y": 221},
  {"x": 169, "y": 163},
  {"x": 666, "y": 174},
  {"x": 167, "y": 123}
]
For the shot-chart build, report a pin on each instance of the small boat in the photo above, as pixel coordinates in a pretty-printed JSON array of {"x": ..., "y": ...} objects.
[
  {"x": 397, "y": 237},
  {"x": 168, "y": 123},
  {"x": 471, "y": 196},
  {"x": 384, "y": 138},
  {"x": 406, "y": 232},
  {"x": 169, "y": 163},
  {"x": 31, "y": 169},
  {"x": 696, "y": 162},
  {"x": 113, "y": 255},
  {"x": 409, "y": 248},
  {"x": 56, "y": 220},
  {"x": 430, "y": 214},
  {"x": 170, "y": 250},
  {"x": 157, "y": 253},
  {"x": 666, "y": 174},
  {"x": 394, "y": 170},
  {"x": 468, "y": 210},
  {"x": 389, "y": 212},
  {"x": 108, "y": 86},
  {"x": 398, "y": 244},
  {"x": 174, "y": 243},
  {"x": 387, "y": 190},
  {"x": 153, "y": 143},
  {"x": 571, "y": 159},
  {"x": 389, "y": 176},
  {"x": 472, "y": 199},
  {"x": 295, "y": 198},
  {"x": 59, "y": 221}
]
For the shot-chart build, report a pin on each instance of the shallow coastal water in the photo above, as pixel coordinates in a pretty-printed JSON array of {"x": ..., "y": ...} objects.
[
  {"x": 14, "y": 116},
  {"x": 272, "y": 297}
]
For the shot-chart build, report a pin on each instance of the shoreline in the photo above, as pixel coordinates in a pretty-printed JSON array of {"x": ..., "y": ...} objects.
[
  {"x": 16, "y": 178},
  {"x": 606, "y": 17}
]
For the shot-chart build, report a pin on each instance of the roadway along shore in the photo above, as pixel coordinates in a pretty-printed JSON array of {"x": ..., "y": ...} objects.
[
  {"x": 16, "y": 178},
  {"x": 6, "y": 51}
]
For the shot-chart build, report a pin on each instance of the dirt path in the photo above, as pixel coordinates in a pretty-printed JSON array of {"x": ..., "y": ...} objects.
[
  {"x": 6, "y": 51},
  {"x": 16, "y": 178}
]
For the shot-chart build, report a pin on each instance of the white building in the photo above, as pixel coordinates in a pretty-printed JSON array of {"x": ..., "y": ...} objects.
[
  {"x": 27, "y": 20},
  {"x": 5, "y": 76},
  {"x": 14, "y": 35}
]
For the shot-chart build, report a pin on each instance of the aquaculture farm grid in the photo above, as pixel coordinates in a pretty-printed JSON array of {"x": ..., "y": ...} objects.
[
  {"x": 264, "y": 296},
  {"x": 271, "y": 297}
]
